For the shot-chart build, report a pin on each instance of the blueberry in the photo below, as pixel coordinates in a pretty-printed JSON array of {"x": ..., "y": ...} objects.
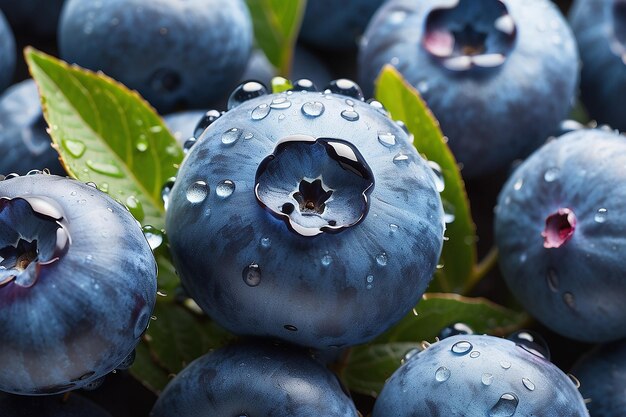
[
  {"x": 330, "y": 25},
  {"x": 77, "y": 284},
  {"x": 600, "y": 29},
  {"x": 174, "y": 53},
  {"x": 499, "y": 75},
  {"x": 602, "y": 376},
  {"x": 472, "y": 375},
  {"x": 305, "y": 216},
  {"x": 33, "y": 17},
  {"x": 7, "y": 52},
  {"x": 560, "y": 235},
  {"x": 254, "y": 378},
  {"x": 23, "y": 138},
  {"x": 49, "y": 406}
]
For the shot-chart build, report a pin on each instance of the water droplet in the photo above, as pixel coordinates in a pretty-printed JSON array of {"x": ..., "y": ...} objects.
[
  {"x": 518, "y": 184},
  {"x": 393, "y": 227},
  {"x": 260, "y": 112},
  {"x": 462, "y": 348},
  {"x": 313, "y": 109},
  {"x": 505, "y": 407},
  {"x": 189, "y": 144},
  {"x": 570, "y": 300},
  {"x": 248, "y": 135},
  {"x": 401, "y": 159},
  {"x": 387, "y": 139},
  {"x": 410, "y": 354},
  {"x": 135, "y": 207},
  {"x": 304, "y": 84},
  {"x": 327, "y": 260},
  {"x": 281, "y": 117},
  {"x": 225, "y": 188},
  {"x": 207, "y": 120},
  {"x": 552, "y": 278},
  {"x": 231, "y": 136},
  {"x": 601, "y": 215},
  {"x": 551, "y": 174},
  {"x": 350, "y": 115},
  {"x": 531, "y": 342},
  {"x": 153, "y": 235},
  {"x": 442, "y": 374},
  {"x": 437, "y": 175},
  {"x": 166, "y": 190},
  {"x": 345, "y": 87},
  {"x": 197, "y": 192},
  {"x": 265, "y": 242},
  {"x": 505, "y": 364},
  {"x": 486, "y": 379},
  {"x": 280, "y": 103},
  {"x": 252, "y": 275},
  {"x": 142, "y": 143},
  {"x": 75, "y": 148},
  {"x": 290, "y": 327},
  {"x": 244, "y": 92},
  {"x": 369, "y": 282},
  {"x": 475, "y": 354},
  {"x": 381, "y": 259},
  {"x": 105, "y": 168},
  {"x": 449, "y": 213},
  {"x": 528, "y": 384}
]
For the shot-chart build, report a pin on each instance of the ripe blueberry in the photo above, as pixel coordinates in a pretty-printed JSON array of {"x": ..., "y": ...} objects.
[
  {"x": 561, "y": 237},
  {"x": 255, "y": 378},
  {"x": 77, "y": 284},
  {"x": 499, "y": 75},
  {"x": 305, "y": 216},
  {"x": 472, "y": 375}
]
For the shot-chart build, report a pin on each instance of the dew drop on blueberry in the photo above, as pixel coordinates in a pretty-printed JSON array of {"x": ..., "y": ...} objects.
[
  {"x": 486, "y": 379},
  {"x": 260, "y": 112},
  {"x": 280, "y": 103},
  {"x": 252, "y": 275},
  {"x": 197, "y": 192},
  {"x": 505, "y": 407},
  {"x": 244, "y": 92},
  {"x": 387, "y": 139},
  {"x": 225, "y": 188},
  {"x": 304, "y": 85},
  {"x": 313, "y": 109},
  {"x": 461, "y": 348},
  {"x": 531, "y": 342},
  {"x": 205, "y": 121},
  {"x": 231, "y": 136},
  {"x": 601, "y": 215},
  {"x": 442, "y": 374},
  {"x": 345, "y": 87}
]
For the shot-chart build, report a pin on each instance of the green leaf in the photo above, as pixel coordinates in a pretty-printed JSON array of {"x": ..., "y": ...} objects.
[
  {"x": 276, "y": 26},
  {"x": 107, "y": 134},
  {"x": 175, "y": 338},
  {"x": 459, "y": 251},
  {"x": 370, "y": 365}
]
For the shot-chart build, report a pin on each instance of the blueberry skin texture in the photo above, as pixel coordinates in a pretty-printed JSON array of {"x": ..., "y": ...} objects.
[
  {"x": 254, "y": 379},
  {"x": 602, "y": 376},
  {"x": 576, "y": 289},
  {"x": 333, "y": 26},
  {"x": 175, "y": 54},
  {"x": 26, "y": 144},
  {"x": 86, "y": 311},
  {"x": 49, "y": 406},
  {"x": 37, "y": 18},
  {"x": 7, "y": 53},
  {"x": 600, "y": 29},
  {"x": 490, "y": 115},
  {"x": 503, "y": 380},
  {"x": 182, "y": 124},
  {"x": 325, "y": 291}
]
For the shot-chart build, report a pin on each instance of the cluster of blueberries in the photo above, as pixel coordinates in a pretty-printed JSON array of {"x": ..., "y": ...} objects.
[{"x": 306, "y": 221}]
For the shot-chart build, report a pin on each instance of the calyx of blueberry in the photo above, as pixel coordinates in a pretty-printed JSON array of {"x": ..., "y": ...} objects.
[
  {"x": 464, "y": 34},
  {"x": 315, "y": 185},
  {"x": 560, "y": 227},
  {"x": 34, "y": 235}
]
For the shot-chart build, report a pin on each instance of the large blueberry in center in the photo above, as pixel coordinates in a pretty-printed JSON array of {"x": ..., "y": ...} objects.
[
  {"x": 315, "y": 185},
  {"x": 470, "y": 33},
  {"x": 306, "y": 216}
]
